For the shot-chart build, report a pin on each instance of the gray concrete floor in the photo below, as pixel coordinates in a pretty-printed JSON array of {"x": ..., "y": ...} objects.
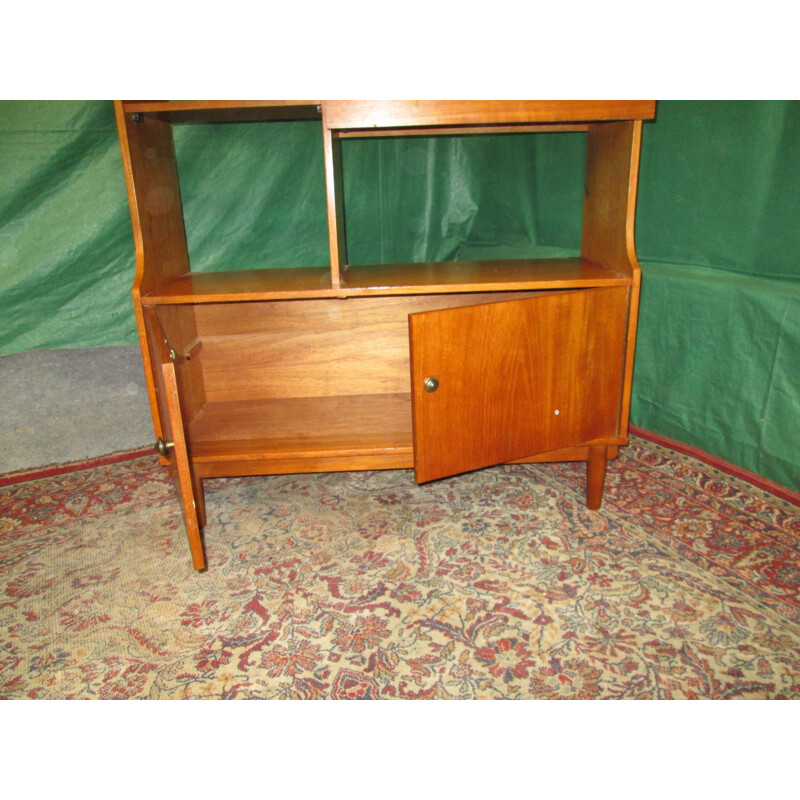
[{"x": 66, "y": 405}]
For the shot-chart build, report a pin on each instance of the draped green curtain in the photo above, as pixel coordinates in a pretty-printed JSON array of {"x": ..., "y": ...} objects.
[
  {"x": 254, "y": 196},
  {"x": 66, "y": 250},
  {"x": 411, "y": 199},
  {"x": 720, "y": 186},
  {"x": 717, "y": 235}
]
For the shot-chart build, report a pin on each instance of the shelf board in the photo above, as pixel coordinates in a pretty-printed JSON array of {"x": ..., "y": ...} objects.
[
  {"x": 201, "y": 111},
  {"x": 464, "y": 130},
  {"x": 345, "y": 426},
  {"x": 477, "y": 276},
  {"x": 385, "y": 279},
  {"x": 240, "y": 285},
  {"x": 398, "y": 114}
]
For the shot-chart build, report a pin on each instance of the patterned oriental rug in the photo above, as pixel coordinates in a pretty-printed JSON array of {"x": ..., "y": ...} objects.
[{"x": 495, "y": 584}]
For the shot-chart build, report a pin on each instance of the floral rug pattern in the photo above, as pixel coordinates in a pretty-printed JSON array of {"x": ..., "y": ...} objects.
[{"x": 494, "y": 584}]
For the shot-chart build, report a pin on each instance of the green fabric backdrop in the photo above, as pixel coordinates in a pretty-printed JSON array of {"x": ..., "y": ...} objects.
[{"x": 717, "y": 234}]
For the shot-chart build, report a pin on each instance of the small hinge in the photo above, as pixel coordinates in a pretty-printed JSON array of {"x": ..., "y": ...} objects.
[{"x": 137, "y": 117}]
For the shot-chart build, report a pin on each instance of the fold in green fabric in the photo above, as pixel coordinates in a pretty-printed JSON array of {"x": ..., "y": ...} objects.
[
  {"x": 717, "y": 359},
  {"x": 66, "y": 249},
  {"x": 717, "y": 230}
]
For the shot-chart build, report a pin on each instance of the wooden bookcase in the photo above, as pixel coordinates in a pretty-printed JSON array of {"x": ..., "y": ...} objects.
[{"x": 443, "y": 367}]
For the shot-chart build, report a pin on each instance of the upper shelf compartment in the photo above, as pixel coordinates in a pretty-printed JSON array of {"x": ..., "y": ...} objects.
[{"x": 199, "y": 111}]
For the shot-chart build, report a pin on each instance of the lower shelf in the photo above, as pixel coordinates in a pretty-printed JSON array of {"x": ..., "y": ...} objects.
[
  {"x": 316, "y": 434},
  {"x": 345, "y": 426}
]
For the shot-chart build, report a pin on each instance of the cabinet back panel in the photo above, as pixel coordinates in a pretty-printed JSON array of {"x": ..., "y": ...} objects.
[{"x": 314, "y": 348}]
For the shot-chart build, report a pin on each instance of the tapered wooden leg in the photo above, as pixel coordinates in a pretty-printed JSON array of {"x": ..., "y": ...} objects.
[{"x": 596, "y": 476}]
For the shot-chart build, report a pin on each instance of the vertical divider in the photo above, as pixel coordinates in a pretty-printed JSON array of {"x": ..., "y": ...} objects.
[{"x": 334, "y": 187}]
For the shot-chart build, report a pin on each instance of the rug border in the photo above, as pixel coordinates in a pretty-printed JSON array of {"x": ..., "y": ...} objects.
[
  {"x": 49, "y": 470},
  {"x": 783, "y": 492},
  {"x": 746, "y": 475}
]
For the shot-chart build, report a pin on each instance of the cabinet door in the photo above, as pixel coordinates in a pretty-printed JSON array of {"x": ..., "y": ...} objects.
[
  {"x": 505, "y": 380},
  {"x": 175, "y": 439}
]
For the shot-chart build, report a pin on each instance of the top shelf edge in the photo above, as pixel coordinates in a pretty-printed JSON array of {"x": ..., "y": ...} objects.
[
  {"x": 363, "y": 115},
  {"x": 359, "y": 117}
]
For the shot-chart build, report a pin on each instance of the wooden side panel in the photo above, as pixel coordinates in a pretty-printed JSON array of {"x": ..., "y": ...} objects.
[
  {"x": 609, "y": 210},
  {"x": 515, "y": 378},
  {"x": 612, "y": 160},
  {"x": 151, "y": 177}
]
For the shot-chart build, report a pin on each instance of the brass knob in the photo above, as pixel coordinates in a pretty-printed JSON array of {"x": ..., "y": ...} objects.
[
  {"x": 163, "y": 447},
  {"x": 431, "y": 384}
]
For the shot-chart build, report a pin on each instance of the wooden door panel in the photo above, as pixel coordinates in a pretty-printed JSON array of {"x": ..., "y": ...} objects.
[
  {"x": 515, "y": 378},
  {"x": 174, "y": 433}
]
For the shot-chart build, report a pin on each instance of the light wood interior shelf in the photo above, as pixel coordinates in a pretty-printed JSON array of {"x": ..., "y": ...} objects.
[
  {"x": 298, "y": 427},
  {"x": 376, "y": 279}
]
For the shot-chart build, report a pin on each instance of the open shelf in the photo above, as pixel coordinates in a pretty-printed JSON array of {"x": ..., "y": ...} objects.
[
  {"x": 303, "y": 427},
  {"x": 386, "y": 279}
]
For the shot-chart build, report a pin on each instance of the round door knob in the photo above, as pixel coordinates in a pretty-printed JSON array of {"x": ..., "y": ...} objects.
[
  {"x": 431, "y": 384},
  {"x": 163, "y": 447}
]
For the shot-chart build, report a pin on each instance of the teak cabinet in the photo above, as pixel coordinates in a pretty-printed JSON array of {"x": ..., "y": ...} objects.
[{"x": 443, "y": 367}]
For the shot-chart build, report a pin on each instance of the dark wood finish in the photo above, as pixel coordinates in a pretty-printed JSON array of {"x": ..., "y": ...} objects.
[
  {"x": 515, "y": 378},
  {"x": 311, "y": 369}
]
